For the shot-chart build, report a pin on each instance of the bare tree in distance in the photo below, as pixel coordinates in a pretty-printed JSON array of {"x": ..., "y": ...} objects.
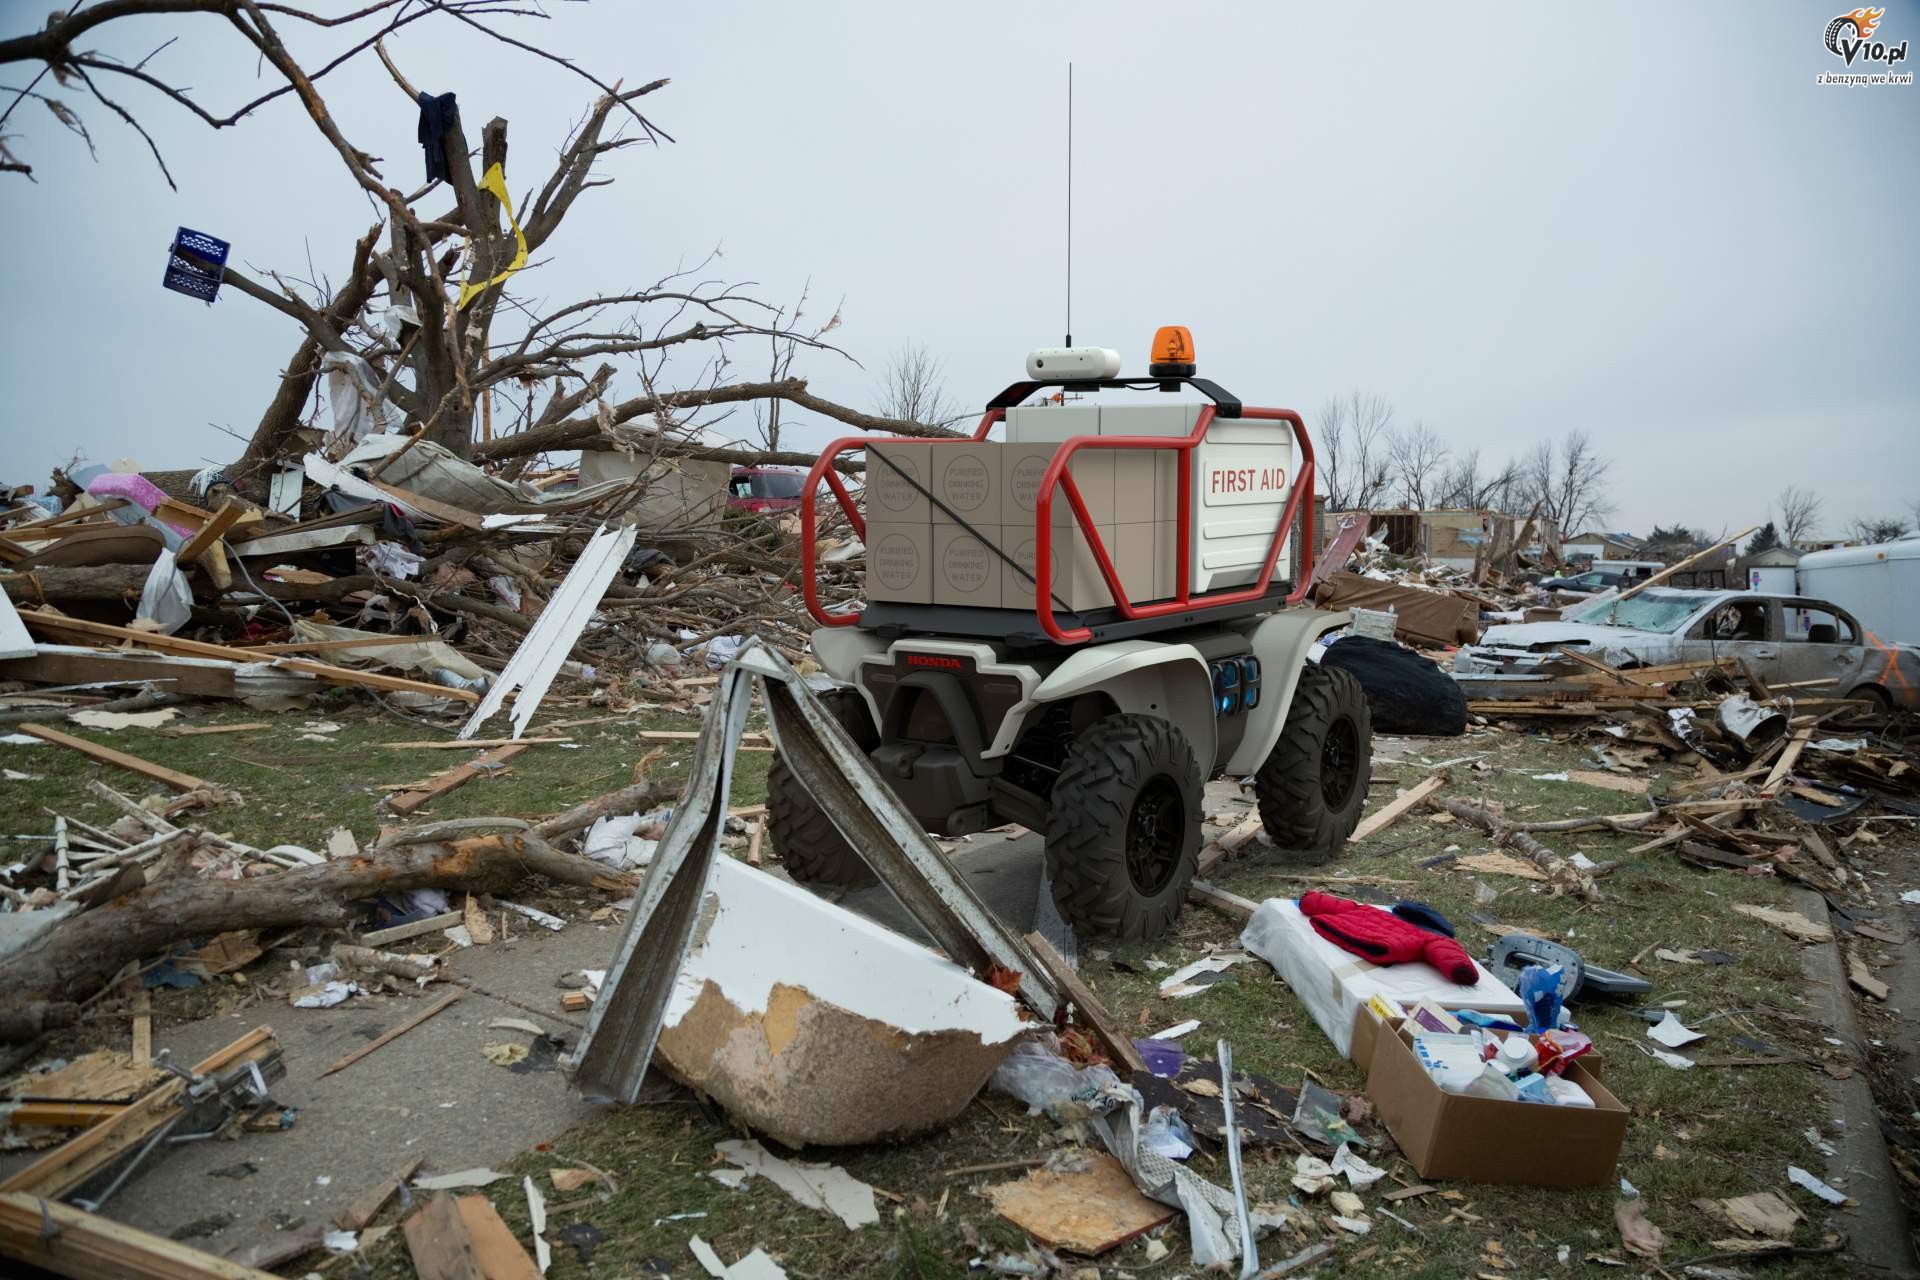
[
  {"x": 1418, "y": 457},
  {"x": 913, "y": 387},
  {"x": 1352, "y": 444},
  {"x": 1466, "y": 486},
  {"x": 1569, "y": 481},
  {"x": 1876, "y": 529},
  {"x": 1798, "y": 509}
]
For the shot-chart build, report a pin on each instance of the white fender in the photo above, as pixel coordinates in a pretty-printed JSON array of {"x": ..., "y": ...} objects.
[
  {"x": 1281, "y": 642},
  {"x": 1145, "y": 676}
]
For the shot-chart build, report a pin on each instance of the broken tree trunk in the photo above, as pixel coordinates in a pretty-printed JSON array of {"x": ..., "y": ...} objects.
[
  {"x": 1565, "y": 877},
  {"x": 80, "y": 956}
]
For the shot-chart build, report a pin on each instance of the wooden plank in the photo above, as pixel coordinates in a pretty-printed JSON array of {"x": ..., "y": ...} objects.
[
  {"x": 1092, "y": 1011},
  {"x": 753, "y": 739},
  {"x": 322, "y": 646},
  {"x": 438, "y": 1242},
  {"x": 201, "y": 731},
  {"x": 1397, "y": 808},
  {"x": 1218, "y": 850},
  {"x": 1219, "y": 899},
  {"x": 456, "y": 744},
  {"x": 63, "y": 665},
  {"x": 107, "y": 755},
  {"x": 87, "y": 1247},
  {"x": 1688, "y": 563},
  {"x": 444, "y": 512},
  {"x": 211, "y": 532},
  {"x": 228, "y": 653},
  {"x": 1781, "y": 767},
  {"x": 411, "y": 929},
  {"x": 754, "y": 840},
  {"x": 371, "y": 680},
  {"x": 142, "y": 1026},
  {"x": 68, "y": 516},
  {"x": 393, "y": 1033},
  {"x": 61, "y": 1115},
  {"x": 72, "y": 1163},
  {"x": 357, "y": 1215},
  {"x": 431, "y": 789},
  {"x": 494, "y": 1248}
]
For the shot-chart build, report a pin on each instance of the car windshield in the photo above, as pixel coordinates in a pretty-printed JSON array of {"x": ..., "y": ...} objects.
[
  {"x": 1655, "y": 610},
  {"x": 777, "y": 484}
]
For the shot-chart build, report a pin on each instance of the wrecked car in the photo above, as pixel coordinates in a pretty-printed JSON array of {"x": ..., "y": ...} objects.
[{"x": 1788, "y": 640}]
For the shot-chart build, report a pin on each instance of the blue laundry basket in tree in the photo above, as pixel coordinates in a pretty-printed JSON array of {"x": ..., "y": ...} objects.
[{"x": 195, "y": 264}]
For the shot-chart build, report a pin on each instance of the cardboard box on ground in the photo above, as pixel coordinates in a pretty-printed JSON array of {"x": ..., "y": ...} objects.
[{"x": 1451, "y": 1135}]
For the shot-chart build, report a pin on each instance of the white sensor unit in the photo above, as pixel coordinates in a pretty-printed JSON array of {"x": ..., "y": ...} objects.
[{"x": 1073, "y": 364}]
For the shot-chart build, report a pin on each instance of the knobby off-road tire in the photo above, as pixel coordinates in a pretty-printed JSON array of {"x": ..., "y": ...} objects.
[
  {"x": 812, "y": 849},
  {"x": 1123, "y": 828},
  {"x": 1314, "y": 784}
]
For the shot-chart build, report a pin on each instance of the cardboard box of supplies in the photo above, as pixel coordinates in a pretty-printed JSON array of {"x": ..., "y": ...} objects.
[
  {"x": 966, "y": 571},
  {"x": 894, "y": 470},
  {"x": 900, "y": 562},
  {"x": 1451, "y": 1135},
  {"x": 967, "y": 481}
]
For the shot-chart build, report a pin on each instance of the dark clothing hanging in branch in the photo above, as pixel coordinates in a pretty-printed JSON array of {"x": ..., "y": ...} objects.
[{"x": 437, "y": 114}]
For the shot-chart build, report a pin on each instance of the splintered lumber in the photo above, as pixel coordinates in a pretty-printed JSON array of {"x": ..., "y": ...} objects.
[
  {"x": 423, "y": 793},
  {"x": 107, "y": 755},
  {"x": 1219, "y": 899},
  {"x": 1397, "y": 808},
  {"x": 211, "y": 532},
  {"x": 77, "y": 959},
  {"x": 1781, "y": 767},
  {"x": 1091, "y": 1010},
  {"x": 71, "y": 1164},
  {"x": 60, "y": 625},
  {"x": 1688, "y": 563},
  {"x": 65, "y": 1241},
  {"x": 1862, "y": 977},
  {"x": 364, "y": 1210},
  {"x": 470, "y": 744},
  {"x": 393, "y": 1033},
  {"x": 201, "y": 731},
  {"x": 437, "y": 1242},
  {"x": 411, "y": 929},
  {"x": 61, "y": 1115},
  {"x": 1229, "y": 842},
  {"x": 1565, "y": 877}
]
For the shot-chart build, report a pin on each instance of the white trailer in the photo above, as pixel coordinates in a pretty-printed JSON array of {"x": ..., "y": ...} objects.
[{"x": 1879, "y": 585}]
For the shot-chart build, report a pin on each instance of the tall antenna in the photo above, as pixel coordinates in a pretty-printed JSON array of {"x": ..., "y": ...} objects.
[{"x": 1069, "y": 341}]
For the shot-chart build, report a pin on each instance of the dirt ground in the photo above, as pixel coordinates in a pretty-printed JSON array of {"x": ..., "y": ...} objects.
[{"x": 1728, "y": 1127}]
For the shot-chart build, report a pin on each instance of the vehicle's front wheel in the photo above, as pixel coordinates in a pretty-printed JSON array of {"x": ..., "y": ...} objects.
[
  {"x": 1123, "y": 828},
  {"x": 1314, "y": 784},
  {"x": 810, "y": 846}
]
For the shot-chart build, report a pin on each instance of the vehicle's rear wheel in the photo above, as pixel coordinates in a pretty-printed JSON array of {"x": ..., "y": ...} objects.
[
  {"x": 808, "y": 843},
  {"x": 1314, "y": 784},
  {"x": 1875, "y": 696},
  {"x": 1123, "y": 828}
]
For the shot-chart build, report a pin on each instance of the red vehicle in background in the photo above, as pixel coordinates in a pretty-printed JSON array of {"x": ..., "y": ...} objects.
[{"x": 765, "y": 489}]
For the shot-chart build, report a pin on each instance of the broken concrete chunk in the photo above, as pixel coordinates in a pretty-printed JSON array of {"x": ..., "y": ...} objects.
[{"x": 845, "y": 1033}]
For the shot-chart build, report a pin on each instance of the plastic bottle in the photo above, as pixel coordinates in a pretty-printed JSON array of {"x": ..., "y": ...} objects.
[{"x": 1517, "y": 1056}]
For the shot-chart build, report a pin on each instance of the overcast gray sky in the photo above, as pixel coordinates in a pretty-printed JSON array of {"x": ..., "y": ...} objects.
[{"x": 1645, "y": 220}]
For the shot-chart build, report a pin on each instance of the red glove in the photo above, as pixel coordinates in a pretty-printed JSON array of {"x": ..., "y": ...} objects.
[{"x": 1384, "y": 938}]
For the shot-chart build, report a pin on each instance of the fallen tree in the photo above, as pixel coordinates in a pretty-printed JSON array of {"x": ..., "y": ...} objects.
[{"x": 46, "y": 981}]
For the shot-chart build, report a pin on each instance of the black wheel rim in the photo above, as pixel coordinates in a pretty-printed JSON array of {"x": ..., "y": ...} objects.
[
  {"x": 1339, "y": 763},
  {"x": 1156, "y": 833}
]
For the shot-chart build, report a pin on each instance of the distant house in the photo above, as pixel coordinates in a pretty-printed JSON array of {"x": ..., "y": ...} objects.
[
  {"x": 1772, "y": 570},
  {"x": 1600, "y": 545},
  {"x": 1458, "y": 538}
]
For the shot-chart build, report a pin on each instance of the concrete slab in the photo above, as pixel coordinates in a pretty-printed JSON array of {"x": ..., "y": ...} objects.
[
  {"x": 1878, "y": 1239},
  {"x": 429, "y": 1094}
]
